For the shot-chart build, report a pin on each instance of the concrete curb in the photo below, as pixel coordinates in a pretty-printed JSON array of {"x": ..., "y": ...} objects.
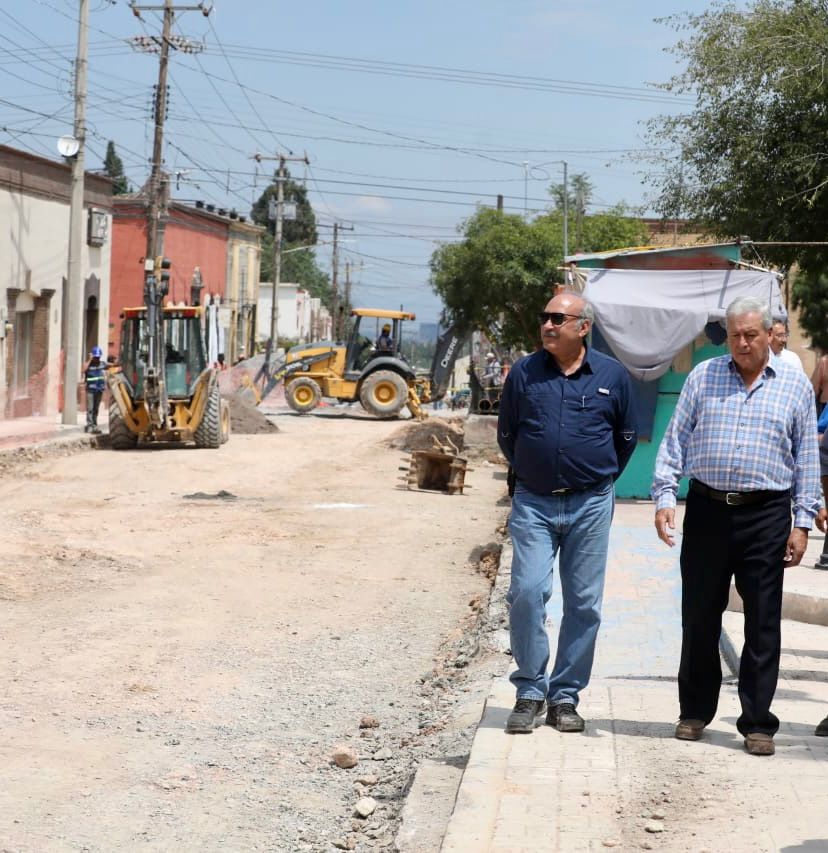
[{"x": 795, "y": 605}]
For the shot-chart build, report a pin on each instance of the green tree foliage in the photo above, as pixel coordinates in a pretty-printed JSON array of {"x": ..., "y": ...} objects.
[
  {"x": 810, "y": 292},
  {"x": 503, "y": 272},
  {"x": 114, "y": 168},
  {"x": 749, "y": 158}
]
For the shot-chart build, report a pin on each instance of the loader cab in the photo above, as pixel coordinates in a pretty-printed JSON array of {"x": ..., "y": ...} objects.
[
  {"x": 366, "y": 325},
  {"x": 184, "y": 355}
]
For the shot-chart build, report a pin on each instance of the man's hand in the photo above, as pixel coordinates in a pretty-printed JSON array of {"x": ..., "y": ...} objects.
[
  {"x": 822, "y": 520},
  {"x": 665, "y": 521},
  {"x": 795, "y": 547}
]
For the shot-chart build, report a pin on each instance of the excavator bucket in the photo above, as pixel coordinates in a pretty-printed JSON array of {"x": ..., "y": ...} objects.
[{"x": 437, "y": 470}]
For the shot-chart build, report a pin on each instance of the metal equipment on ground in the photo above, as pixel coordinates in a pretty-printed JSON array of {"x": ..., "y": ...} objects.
[{"x": 440, "y": 469}]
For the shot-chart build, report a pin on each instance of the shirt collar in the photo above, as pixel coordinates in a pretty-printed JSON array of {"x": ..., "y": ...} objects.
[
  {"x": 585, "y": 367},
  {"x": 768, "y": 370}
]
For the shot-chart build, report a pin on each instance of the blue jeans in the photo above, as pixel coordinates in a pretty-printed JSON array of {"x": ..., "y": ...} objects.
[{"x": 576, "y": 528}]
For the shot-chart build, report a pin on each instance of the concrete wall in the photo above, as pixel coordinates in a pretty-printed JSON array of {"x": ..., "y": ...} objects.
[{"x": 192, "y": 239}]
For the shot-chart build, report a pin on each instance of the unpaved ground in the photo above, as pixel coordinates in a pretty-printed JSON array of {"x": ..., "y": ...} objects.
[{"x": 177, "y": 671}]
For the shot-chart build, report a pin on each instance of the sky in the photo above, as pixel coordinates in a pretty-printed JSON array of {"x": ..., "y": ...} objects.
[{"x": 411, "y": 114}]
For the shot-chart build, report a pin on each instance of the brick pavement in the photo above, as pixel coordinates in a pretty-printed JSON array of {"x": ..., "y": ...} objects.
[{"x": 562, "y": 792}]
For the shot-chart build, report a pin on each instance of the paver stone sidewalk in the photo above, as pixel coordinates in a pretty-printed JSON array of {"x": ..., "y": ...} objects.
[{"x": 627, "y": 782}]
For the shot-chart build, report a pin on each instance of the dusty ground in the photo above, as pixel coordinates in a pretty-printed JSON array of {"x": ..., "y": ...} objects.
[{"x": 177, "y": 671}]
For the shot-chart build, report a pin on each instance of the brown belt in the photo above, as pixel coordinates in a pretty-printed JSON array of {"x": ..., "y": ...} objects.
[{"x": 735, "y": 498}]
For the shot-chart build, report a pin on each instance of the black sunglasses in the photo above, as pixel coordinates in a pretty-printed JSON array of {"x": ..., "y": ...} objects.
[{"x": 556, "y": 318}]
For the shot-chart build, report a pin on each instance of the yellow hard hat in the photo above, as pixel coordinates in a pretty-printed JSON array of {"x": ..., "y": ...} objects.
[{"x": 386, "y": 328}]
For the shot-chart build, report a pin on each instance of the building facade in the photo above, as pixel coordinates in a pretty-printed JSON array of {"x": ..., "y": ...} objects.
[
  {"x": 244, "y": 254},
  {"x": 35, "y": 195},
  {"x": 302, "y": 317}
]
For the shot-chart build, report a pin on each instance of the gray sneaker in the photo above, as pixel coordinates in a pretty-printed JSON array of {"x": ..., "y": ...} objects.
[
  {"x": 822, "y": 562},
  {"x": 526, "y": 716}
]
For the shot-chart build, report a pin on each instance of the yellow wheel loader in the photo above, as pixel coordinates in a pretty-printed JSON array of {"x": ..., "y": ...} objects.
[
  {"x": 381, "y": 380},
  {"x": 163, "y": 389}
]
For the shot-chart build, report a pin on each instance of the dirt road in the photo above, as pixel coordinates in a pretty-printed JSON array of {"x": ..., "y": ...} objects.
[{"x": 178, "y": 670}]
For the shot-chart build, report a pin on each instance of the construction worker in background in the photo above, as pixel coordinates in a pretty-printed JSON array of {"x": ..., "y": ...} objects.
[
  {"x": 94, "y": 373},
  {"x": 492, "y": 373},
  {"x": 385, "y": 343}
]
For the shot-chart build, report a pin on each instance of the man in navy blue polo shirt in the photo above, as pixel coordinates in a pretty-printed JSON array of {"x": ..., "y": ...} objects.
[{"x": 567, "y": 427}]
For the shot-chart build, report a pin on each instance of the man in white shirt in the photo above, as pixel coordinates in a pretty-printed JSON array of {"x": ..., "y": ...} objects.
[{"x": 779, "y": 345}]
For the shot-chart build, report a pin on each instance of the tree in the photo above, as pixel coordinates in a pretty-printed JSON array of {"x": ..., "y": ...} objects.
[
  {"x": 749, "y": 157},
  {"x": 503, "y": 272},
  {"x": 114, "y": 168},
  {"x": 299, "y": 231}
]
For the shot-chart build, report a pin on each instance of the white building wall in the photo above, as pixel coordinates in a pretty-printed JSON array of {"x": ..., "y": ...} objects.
[{"x": 34, "y": 248}]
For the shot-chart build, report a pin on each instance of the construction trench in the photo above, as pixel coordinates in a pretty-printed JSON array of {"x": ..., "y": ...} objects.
[{"x": 181, "y": 671}]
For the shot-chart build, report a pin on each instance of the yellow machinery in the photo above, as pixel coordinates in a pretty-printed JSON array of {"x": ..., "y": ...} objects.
[
  {"x": 383, "y": 381},
  {"x": 164, "y": 389}
]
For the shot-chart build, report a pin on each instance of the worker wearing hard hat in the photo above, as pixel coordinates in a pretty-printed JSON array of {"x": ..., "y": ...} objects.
[
  {"x": 492, "y": 372},
  {"x": 385, "y": 343},
  {"x": 94, "y": 372}
]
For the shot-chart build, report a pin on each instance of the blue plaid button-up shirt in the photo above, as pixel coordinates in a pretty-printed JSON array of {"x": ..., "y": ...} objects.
[{"x": 739, "y": 440}]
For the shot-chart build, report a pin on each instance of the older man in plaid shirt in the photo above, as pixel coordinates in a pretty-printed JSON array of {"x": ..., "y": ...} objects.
[{"x": 744, "y": 431}]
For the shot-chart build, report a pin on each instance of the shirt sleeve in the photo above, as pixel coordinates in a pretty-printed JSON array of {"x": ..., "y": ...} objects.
[
  {"x": 805, "y": 449},
  {"x": 625, "y": 435},
  {"x": 507, "y": 418},
  {"x": 672, "y": 452}
]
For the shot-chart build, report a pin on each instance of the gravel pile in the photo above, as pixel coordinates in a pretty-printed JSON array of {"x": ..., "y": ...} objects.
[
  {"x": 245, "y": 418},
  {"x": 420, "y": 435}
]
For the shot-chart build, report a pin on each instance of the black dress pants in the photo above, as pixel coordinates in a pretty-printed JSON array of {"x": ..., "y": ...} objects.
[{"x": 720, "y": 542}]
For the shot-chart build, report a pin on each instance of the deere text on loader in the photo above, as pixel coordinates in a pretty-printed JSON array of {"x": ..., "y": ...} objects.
[
  {"x": 383, "y": 382},
  {"x": 164, "y": 389}
]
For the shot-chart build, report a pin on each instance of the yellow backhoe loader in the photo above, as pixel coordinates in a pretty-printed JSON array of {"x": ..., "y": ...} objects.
[
  {"x": 383, "y": 381},
  {"x": 163, "y": 388}
]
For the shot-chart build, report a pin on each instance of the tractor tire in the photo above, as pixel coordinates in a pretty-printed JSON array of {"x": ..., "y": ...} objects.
[
  {"x": 303, "y": 394},
  {"x": 208, "y": 432},
  {"x": 225, "y": 421},
  {"x": 384, "y": 394},
  {"x": 121, "y": 437}
]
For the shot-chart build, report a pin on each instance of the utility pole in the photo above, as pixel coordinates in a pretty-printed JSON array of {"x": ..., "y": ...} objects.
[
  {"x": 156, "y": 209},
  {"x": 277, "y": 243},
  {"x": 525, "y": 188},
  {"x": 337, "y": 227},
  {"x": 565, "y": 212},
  {"x": 72, "y": 365},
  {"x": 334, "y": 285},
  {"x": 347, "y": 289}
]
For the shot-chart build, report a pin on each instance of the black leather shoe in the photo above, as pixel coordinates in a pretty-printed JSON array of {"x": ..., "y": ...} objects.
[
  {"x": 822, "y": 729},
  {"x": 526, "y": 716},
  {"x": 565, "y": 718},
  {"x": 822, "y": 562}
]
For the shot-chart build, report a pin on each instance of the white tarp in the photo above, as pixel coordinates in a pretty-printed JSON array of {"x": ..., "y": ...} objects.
[{"x": 647, "y": 316}]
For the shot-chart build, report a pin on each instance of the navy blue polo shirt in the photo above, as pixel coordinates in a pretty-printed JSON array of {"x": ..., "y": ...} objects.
[{"x": 567, "y": 432}]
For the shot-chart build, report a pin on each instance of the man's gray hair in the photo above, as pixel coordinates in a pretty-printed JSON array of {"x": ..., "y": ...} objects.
[
  {"x": 587, "y": 312},
  {"x": 750, "y": 305}
]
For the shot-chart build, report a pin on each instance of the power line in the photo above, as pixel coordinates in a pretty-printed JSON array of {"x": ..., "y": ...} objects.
[{"x": 241, "y": 87}]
